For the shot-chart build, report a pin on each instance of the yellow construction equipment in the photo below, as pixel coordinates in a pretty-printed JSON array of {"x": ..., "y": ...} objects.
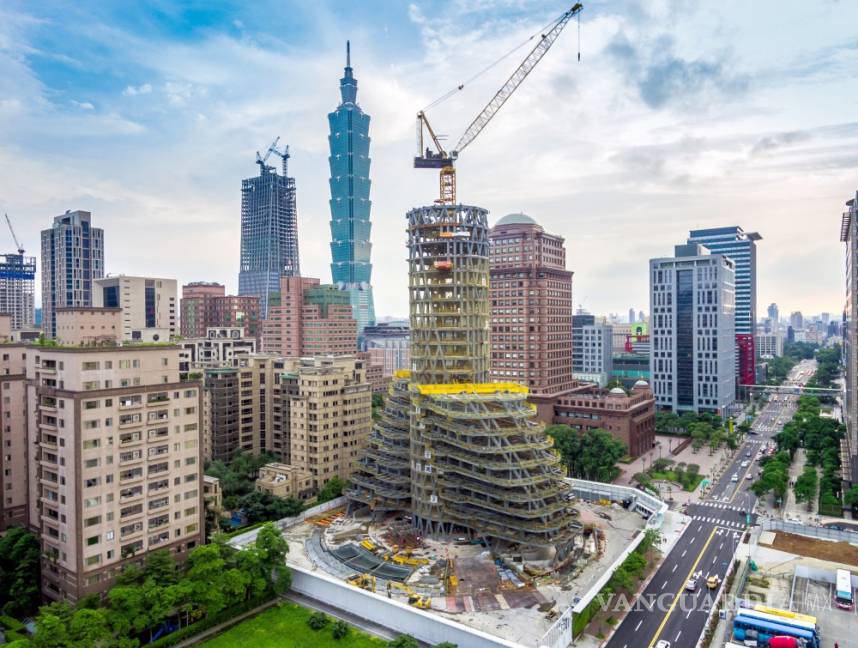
[
  {"x": 364, "y": 581},
  {"x": 368, "y": 544},
  {"x": 414, "y": 599},
  {"x": 445, "y": 161}
]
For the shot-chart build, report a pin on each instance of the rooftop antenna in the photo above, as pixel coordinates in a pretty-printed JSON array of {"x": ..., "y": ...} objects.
[{"x": 348, "y": 54}]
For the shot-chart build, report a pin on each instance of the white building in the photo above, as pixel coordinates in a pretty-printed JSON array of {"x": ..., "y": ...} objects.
[
  {"x": 218, "y": 349},
  {"x": 692, "y": 330},
  {"x": 595, "y": 353},
  {"x": 148, "y": 305},
  {"x": 769, "y": 345}
]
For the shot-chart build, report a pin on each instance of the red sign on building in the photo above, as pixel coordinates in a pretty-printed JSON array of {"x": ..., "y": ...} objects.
[{"x": 747, "y": 359}]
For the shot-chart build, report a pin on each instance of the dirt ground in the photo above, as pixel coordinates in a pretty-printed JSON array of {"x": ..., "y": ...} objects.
[{"x": 841, "y": 552}]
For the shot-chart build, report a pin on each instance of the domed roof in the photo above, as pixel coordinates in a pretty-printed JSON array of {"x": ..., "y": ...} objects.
[
  {"x": 519, "y": 218},
  {"x": 617, "y": 391},
  {"x": 641, "y": 384}
]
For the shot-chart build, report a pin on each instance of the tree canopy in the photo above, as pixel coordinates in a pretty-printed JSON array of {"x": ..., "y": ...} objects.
[{"x": 588, "y": 455}]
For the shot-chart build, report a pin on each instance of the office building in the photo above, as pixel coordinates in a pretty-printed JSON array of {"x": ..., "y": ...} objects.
[
  {"x": 579, "y": 321},
  {"x": 269, "y": 231},
  {"x": 16, "y": 452},
  {"x": 531, "y": 306},
  {"x": 351, "y": 270},
  {"x": 220, "y": 348},
  {"x": 769, "y": 345},
  {"x": 72, "y": 257},
  {"x": 624, "y": 336},
  {"x": 692, "y": 334},
  {"x": 309, "y": 319},
  {"x": 741, "y": 247},
  {"x": 630, "y": 367},
  {"x": 463, "y": 455},
  {"x": 796, "y": 320},
  {"x": 592, "y": 349},
  {"x": 116, "y": 464},
  {"x": 641, "y": 316},
  {"x": 17, "y": 289},
  {"x": 849, "y": 237},
  {"x": 388, "y": 345},
  {"x": 148, "y": 305},
  {"x": 631, "y": 316},
  {"x": 206, "y": 305},
  {"x": 774, "y": 315}
]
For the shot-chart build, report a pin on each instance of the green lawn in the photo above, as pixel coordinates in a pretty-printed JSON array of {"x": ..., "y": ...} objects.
[
  {"x": 285, "y": 626},
  {"x": 669, "y": 475}
]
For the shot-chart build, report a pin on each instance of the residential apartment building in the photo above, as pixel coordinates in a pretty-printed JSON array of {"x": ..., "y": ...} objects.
[
  {"x": 18, "y": 289},
  {"x": 116, "y": 469},
  {"x": 531, "y": 306},
  {"x": 849, "y": 237},
  {"x": 206, "y": 305},
  {"x": 219, "y": 348},
  {"x": 389, "y": 345},
  {"x": 15, "y": 452},
  {"x": 72, "y": 257},
  {"x": 285, "y": 481},
  {"x": 221, "y": 405},
  {"x": 741, "y": 248},
  {"x": 148, "y": 305},
  {"x": 88, "y": 326},
  {"x": 692, "y": 334},
  {"x": 309, "y": 319}
]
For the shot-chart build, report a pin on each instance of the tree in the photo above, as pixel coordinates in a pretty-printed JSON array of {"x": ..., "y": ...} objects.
[
  {"x": 589, "y": 455},
  {"x": 332, "y": 488},
  {"x": 20, "y": 558},
  {"x": 161, "y": 567},
  {"x": 851, "y": 496},
  {"x": 404, "y": 641},
  {"x": 318, "y": 620},
  {"x": 806, "y": 484},
  {"x": 340, "y": 629}
]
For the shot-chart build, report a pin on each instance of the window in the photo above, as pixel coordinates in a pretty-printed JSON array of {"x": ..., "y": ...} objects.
[
  {"x": 92, "y": 540},
  {"x": 90, "y": 366}
]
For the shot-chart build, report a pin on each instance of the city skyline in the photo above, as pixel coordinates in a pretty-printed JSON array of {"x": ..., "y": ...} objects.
[{"x": 701, "y": 145}]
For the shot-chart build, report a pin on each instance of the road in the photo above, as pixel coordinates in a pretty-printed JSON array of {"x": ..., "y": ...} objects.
[{"x": 665, "y": 610}]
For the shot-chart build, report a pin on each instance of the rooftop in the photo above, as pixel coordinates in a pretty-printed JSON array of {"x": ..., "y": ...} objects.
[{"x": 519, "y": 218}]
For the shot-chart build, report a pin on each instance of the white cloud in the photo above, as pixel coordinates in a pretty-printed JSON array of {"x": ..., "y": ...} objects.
[
  {"x": 83, "y": 105},
  {"x": 132, "y": 91}
]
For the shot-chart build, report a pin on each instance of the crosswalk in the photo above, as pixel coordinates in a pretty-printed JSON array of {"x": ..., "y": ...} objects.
[
  {"x": 722, "y": 506},
  {"x": 732, "y": 524}
]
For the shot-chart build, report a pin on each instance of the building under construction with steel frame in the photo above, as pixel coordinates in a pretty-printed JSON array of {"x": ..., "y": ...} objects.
[{"x": 463, "y": 455}]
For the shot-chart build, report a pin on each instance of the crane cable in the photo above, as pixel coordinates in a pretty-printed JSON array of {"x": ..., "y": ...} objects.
[{"x": 461, "y": 86}]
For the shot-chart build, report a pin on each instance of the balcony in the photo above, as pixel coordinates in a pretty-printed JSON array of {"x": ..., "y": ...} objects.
[
  {"x": 154, "y": 417},
  {"x": 130, "y": 530},
  {"x": 130, "y": 439},
  {"x": 130, "y": 402},
  {"x": 129, "y": 476},
  {"x": 131, "y": 511},
  {"x": 132, "y": 457},
  {"x": 160, "y": 397},
  {"x": 130, "y": 420},
  {"x": 129, "y": 494}
]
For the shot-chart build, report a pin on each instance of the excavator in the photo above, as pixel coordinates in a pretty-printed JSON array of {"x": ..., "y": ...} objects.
[
  {"x": 364, "y": 581},
  {"x": 414, "y": 599},
  {"x": 439, "y": 158}
]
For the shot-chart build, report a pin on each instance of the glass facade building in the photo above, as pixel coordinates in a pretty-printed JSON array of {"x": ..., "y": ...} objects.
[
  {"x": 349, "y": 162},
  {"x": 269, "y": 234}
]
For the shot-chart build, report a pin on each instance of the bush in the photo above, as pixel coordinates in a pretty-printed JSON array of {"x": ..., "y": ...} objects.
[
  {"x": 340, "y": 630},
  {"x": 318, "y": 620},
  {"x": 11, "y": 624},
  {"x": 446, "y": 644},
  {"x": 404, "y": 641},
  {"x": 208, "y": 622}
]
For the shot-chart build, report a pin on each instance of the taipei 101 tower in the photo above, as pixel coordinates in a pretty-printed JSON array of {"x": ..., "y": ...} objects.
[{"x": 351, "y": 269}]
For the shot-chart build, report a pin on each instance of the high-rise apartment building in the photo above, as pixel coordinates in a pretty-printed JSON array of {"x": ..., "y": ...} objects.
[
  {"x": 116, "y": 464},
  {"x": 206, "y": 305},
  {"x": 15, "y": 449},
  {"x": 148, "y": 305},
  {"x": 531, "y": 306},
  {"x": 741, "y": 247},
  {"x": 72, "y": 257},
  {"x": 849, "y": 236},
  {"x": 351, "y": 270},
  {"x": 17, "y": 289},
  {"x": 269, "y": 232},
  {"x": 692, "y": 334},
  {"x": 309, "y": 319}
]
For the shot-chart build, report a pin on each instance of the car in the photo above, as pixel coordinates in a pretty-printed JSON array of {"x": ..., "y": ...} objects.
[
  {"x": 691, "y": 585},
  {"x": 749, "y": 475},
  {"x": 747, "y": 453},
  {"x": 735, "y": 478},
  {"x": 663, "y": 644},
  {"x": 713, "y": 581},
  {"x": 745, "y": 463}
]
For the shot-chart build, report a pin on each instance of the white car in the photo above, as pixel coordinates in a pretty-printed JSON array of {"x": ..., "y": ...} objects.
[
  {"x": 734, "y": 478},
  {"x": 745, "y": 464},
  {"x": 691, "y": 585},
  {"x": 663, "y": 644},
  {"x": 749, "y": 475}
]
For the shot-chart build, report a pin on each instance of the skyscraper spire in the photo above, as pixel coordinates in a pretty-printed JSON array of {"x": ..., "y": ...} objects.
[
  {"x": 348, "y": 54},
  {"x": 348, "y": 84}
]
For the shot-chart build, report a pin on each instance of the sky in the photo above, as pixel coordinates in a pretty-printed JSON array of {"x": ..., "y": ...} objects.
[{"x": 679, "y": 115}]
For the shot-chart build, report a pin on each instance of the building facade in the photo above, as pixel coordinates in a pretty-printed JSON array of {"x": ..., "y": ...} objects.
[
  {"x": 220, "y": 348},
  {"x": 769, "y": 345},
  {"x": 774, "y": 314},
  {"x": 116, "y": 470},
  {"x": 269, "y": 232},
  {"x": 741, "y": 247},
  {"x": 351, "y": 269},
  {"x": 692, "y": 336},
  {"x": 72, "y": 257},
  {"x": 18, "y": 289},
  {"x": 16, "y": 453},
  {"x": 309, "y": 319},
  {"x": 389, "y": 345},
  {"x": 206, "y": 305},
  {"x": 531, "y": 306},
  {"x": 593, "y": 349},
  {"x": 849, "y": 237},
  {"x": 148, "y": 305}
]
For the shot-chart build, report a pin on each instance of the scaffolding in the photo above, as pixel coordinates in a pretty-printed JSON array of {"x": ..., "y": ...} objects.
[
  {"x": 465, "y": 456},
  {"x": 17, "y": 289}
]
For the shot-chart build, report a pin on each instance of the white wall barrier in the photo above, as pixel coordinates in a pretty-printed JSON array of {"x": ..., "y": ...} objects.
[{"x": 391, "y": 614}]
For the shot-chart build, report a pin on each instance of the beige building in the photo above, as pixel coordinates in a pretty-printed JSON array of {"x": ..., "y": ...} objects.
[
  {"x": 88, "y": 326},
  {"x": 212, "y": 493},
  {"x": 116, "y": 466},
  {"x": 282, "y": 480},
  {"x": 219, "y": 348},
  {"x": 148, "y": 305},
  {"x": 15, "y": 453}
]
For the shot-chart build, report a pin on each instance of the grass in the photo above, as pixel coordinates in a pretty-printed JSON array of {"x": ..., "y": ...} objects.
[
  {"x": 285, "y": 626},
  {"x": 669, "y": 475}
]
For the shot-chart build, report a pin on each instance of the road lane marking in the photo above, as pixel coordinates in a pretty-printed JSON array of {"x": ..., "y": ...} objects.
[
  {"x": 679, "y": 592},
  {"x": 674, "y": 569},
  {"x": 692, "y": 540},
  {"x": 663, "y": 584},
  {"x": 684, "y": 551},
  {"x": 637, "y": 627},
  {"x": 689, "y": 613},
  {"x": 677, "y": 636}
]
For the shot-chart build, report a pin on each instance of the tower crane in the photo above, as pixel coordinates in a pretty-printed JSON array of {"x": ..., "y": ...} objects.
[
  {"x": 445, "y": 161},
  {"x": 14, "y": 238},
  {"x": 260, "y": 160}
]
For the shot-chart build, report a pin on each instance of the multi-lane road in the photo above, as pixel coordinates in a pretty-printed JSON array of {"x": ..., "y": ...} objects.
[{"x": 666, "y": 610}]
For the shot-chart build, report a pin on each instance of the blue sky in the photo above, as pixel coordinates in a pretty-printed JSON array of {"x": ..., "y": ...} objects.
[{"x": 680, "y": 115}]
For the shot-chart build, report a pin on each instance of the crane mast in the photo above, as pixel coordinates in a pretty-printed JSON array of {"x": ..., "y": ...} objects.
[
  {"x": 14, "y": 238},
  {"x": 440, "y": 158}
]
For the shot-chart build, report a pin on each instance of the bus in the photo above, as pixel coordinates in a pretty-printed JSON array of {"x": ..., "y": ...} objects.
[
  {"x": 784, "y": 621},
  {"x": 786, "y": 613},
  {"x": 754, "y": 629},
  {"x": 843, "y": 590}
]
